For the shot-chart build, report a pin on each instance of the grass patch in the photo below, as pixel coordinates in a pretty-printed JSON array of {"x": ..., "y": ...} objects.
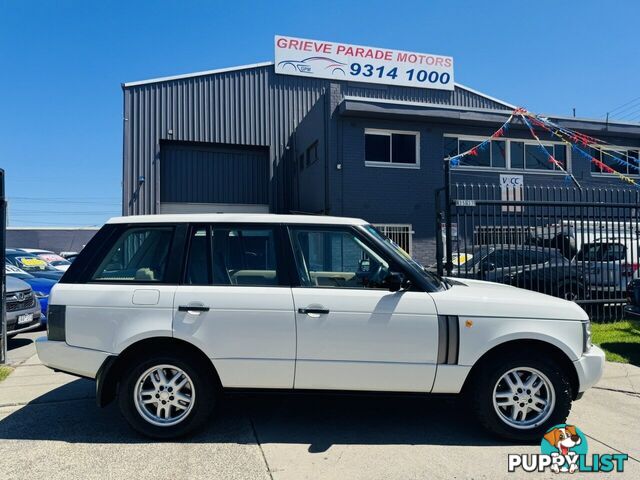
[
  {"x": 619, "y": 340},
  {"x": 4, "y": 372}
]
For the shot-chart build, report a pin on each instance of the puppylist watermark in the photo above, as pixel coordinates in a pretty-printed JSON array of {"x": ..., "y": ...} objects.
[{"x": 564, "y": 449}]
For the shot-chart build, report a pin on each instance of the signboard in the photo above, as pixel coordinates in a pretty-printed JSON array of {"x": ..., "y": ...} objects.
[
  {"x": 355, "y": 63},
  {"x": 511, "y": 187}
]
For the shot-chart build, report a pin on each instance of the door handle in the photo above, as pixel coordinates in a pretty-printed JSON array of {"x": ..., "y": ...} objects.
[
  {"x": 314, "y": 311},
  {"x": 195, "y": 309}
]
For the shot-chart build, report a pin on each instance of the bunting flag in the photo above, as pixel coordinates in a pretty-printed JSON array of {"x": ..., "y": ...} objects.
[
  {"x": 577, "y": 138},
  {"x": 454, "y": 160},
  {"x": 567, "y": 175},
  {"x": 577, "y": 141}
]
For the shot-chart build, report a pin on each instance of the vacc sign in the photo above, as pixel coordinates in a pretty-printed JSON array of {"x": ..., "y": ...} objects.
[{"x": 340, "y": 61}]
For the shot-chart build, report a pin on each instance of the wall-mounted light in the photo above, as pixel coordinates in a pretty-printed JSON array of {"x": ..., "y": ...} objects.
[{"x": 140, "y": 180}]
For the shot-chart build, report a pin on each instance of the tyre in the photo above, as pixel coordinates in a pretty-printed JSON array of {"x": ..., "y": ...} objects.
[
  {"x": 521, "y": 396},
  {"x": 166, "y": 396}
]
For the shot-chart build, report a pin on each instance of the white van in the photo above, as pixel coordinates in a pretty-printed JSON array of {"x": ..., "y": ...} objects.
[{"x": 168, "y": 312}]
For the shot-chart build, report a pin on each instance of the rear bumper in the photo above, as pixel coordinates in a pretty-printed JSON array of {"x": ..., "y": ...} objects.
[
  {"x": 83, "y": 362},
  {"x": 589, "y": 368}
]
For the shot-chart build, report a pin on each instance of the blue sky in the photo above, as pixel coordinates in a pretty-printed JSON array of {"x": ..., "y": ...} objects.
[{"x": 63, "y": 63}]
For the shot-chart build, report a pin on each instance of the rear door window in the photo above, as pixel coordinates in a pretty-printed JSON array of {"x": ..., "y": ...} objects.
[
  {"x": 229, "y": 255},
  {"x": 139, "y": 255}
]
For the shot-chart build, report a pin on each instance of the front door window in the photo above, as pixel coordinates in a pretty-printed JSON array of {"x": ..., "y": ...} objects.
[{"x": 336, "y": 258}]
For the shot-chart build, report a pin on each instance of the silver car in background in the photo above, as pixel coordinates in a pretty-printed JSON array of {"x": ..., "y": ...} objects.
[{"x": 23, "y": 309}]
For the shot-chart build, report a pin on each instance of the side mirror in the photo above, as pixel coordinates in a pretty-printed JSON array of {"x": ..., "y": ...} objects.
[{"x": 396, "y": 281}]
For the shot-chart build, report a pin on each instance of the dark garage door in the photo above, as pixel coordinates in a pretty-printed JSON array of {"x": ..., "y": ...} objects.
[{"x": 213, "y": 174}]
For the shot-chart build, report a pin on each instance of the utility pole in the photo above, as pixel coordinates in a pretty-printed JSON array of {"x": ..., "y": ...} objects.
[{"x": 3, "y": 290}]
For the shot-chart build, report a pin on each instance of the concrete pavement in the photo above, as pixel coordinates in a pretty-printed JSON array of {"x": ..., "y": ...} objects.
[{"x": 50, "y": 428}]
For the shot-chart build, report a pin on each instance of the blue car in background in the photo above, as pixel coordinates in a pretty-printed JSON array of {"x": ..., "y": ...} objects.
[
  {"x": 41, "y": 287},
  {"x": 32, "y": 264}
]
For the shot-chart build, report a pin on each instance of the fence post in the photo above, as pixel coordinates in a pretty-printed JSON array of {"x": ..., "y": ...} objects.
[
  {"x": 3, "y": 296},
  {"x": 439, "y": 222},
  {"x": 448, "y": 265}
]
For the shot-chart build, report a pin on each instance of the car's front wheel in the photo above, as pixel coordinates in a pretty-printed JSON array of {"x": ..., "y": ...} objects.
[
  {"x": 521, "y": 396},
  {"x": 166, "y": 396}
]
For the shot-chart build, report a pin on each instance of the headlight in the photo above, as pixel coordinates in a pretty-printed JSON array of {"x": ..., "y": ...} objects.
[
  {"x": 41, "y": 294},
  {"x": 586, "y": 336}
]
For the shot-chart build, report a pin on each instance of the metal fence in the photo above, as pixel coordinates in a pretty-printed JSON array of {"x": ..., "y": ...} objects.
[
  {"x": 577, "y": 244},
  {"x": 3, "y": 237},
  {"x": 402, "y": 234}
]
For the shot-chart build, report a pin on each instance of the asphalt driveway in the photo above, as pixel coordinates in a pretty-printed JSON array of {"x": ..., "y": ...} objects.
[{"x": 50, "y": 428}]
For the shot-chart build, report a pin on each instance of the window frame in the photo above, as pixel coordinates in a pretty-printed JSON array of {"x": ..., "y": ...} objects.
[
  {"x": 508, "y": 167},
  {"x": 616, "y": 148},
  {"x": 114, "y": 234},
  {"x": 283, "y": 272},
  {"x": 390, "y": 163},
  {"x": 394, "y": 265}
]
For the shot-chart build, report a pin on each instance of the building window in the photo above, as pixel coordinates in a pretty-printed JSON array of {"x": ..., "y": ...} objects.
[
  {"x": 391, "y": 148},
  {"x": 401, "y": 234},
  {"x": 506, "y": 153},
  {"x": 629, "y": 156}
]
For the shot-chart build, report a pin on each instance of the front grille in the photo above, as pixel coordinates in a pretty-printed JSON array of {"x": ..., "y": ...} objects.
[{"x": 23, "y": 300}]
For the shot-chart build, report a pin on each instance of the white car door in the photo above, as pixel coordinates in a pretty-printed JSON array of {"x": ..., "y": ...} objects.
[
  {"x": 236, "y": 305},
  {"x": 353, "y": 333}
]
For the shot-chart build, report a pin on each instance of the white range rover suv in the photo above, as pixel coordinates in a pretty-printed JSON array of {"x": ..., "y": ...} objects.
[{"x": 168, "y": 312}]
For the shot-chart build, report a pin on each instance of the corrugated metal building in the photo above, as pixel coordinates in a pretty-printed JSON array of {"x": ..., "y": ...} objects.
[{"x": 248, "y": 139}]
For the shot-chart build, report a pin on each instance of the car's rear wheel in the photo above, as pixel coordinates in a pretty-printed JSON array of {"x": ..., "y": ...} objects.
[
  {"x": 522, "y": 396},
  {"x": 166, "y": 396}
]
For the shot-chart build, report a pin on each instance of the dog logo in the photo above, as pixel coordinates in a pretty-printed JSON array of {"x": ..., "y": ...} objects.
[
  {"x": 563, "y": 449},
  {"x": 565, "y": 444}
]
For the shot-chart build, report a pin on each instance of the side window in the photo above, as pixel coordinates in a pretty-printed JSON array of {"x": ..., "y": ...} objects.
[
  {"x": 614, "y": 252},
  {"x": 221, "y": 255},
  {"x": 338, "y": 259},
  {"x": 139, "y": 255}
]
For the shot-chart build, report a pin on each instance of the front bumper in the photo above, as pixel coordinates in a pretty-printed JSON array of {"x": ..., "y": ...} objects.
[
  {"x": 13, "y": 328},
  {"x": 83, "y": 362},
  {"x": 589, "y": 368}
]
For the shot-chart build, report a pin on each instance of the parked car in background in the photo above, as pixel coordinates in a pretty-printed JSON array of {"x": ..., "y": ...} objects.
[
  {"x": 632, "y": 308},
  {"x": 32, "y": 264},
  {"x": 23, "y": 310},
  {"x": 608, "y": 264},
  {"x": 41, "y": 287},
  {"x": 56, "y": 261},
  {"x": 540, "y": 269},
  {"x": 71, "y": 257}
]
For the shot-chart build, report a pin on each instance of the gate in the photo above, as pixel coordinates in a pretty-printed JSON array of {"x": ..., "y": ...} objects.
[{"x": 577, "y": 244}]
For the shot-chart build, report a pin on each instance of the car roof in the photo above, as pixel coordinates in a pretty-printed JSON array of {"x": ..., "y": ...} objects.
[{"x": 238, "y": 218}]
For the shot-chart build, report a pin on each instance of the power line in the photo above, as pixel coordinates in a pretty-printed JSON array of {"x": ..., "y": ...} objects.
[
  {"x": 623, "y": 105},
  {"x": 623, "y": 113},
  {"x": 630, "y": 114}
]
